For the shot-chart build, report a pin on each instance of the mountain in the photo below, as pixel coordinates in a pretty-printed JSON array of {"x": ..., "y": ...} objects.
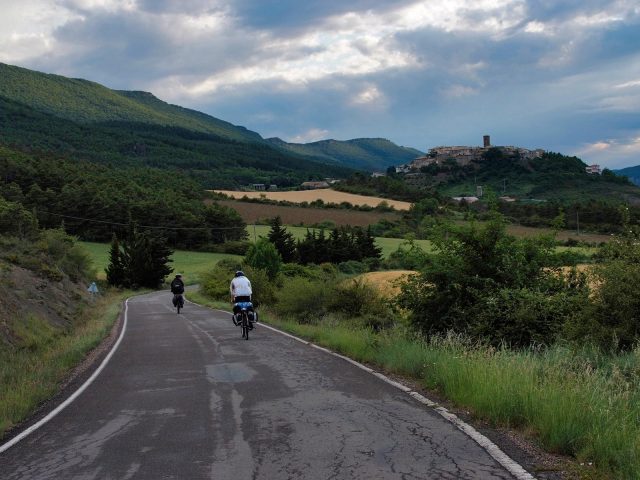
[
  {"x": 632, "y": 173},
  {"x": 87, "y": 102},
  {"x": 83, "y": 120},
  {"x": 362, "y": 153}
]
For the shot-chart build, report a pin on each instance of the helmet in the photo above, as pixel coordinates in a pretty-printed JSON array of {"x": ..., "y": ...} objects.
[
  {"x": 239, "y": 273},
  {"x": 178, "y": 274}
]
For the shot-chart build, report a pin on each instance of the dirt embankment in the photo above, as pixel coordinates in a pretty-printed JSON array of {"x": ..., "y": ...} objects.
[{"x": 26, "y": 295}]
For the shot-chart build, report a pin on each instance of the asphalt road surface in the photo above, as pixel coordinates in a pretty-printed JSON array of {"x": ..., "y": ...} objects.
[{"x": 184, "y": 397}]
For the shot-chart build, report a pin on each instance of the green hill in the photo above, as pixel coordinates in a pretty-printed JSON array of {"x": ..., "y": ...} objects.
[
  {"x": 83, "y": 120},
  {"x": 361, "y": 153},
  {"x": 86, "y": 102}
]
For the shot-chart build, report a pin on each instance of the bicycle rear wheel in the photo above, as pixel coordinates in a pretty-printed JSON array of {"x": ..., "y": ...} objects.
[{"x": 245, "y": 326}]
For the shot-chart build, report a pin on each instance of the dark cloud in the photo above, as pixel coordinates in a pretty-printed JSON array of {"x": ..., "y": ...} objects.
[{"x": 296, "y": 14}]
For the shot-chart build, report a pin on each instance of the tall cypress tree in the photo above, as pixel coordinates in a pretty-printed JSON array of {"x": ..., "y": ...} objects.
[
  {"x": 115, "y": 270},
  {"x": 282, "y": 240}
]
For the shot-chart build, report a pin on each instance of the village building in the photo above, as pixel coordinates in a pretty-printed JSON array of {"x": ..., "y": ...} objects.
[{"x": 593, "y": 169}]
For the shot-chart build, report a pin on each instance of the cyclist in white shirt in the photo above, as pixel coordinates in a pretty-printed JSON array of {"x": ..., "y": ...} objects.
[{"x": 240, "y": 290}]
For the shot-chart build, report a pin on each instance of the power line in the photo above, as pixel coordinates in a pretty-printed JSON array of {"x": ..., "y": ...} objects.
[{"x": 141, "y": 226}]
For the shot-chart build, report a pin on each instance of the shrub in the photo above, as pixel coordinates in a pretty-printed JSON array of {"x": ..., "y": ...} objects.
[
  {"x": 264, "y": 256},
  {"x": 215, "y": 283},
  {"x": 233, "y": 247},
  {"x": 303, "y": 299},
  {"x": 357, "y": 299},
  {"x": 408, "y": 256},
  {"x": 483, "y": 280},
  {"x": 352, "y": 267}
]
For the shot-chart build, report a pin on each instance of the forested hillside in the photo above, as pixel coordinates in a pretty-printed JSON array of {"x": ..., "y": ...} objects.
[
  {"x": 363, "y": 153},
  {"x": 93, "y": 201},
  {"x": 83, "y": 120}
]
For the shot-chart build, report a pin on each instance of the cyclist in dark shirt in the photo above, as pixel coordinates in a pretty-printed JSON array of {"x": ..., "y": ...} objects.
[{"x": 177, "y": 288}]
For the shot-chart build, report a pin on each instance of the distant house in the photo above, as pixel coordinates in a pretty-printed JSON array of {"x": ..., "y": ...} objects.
[
  {"x": 378, "y": 174},
  {"x": 593, "y": 169},
  {"x": 466, "y": 199},
  {"x": 273, "y": 187},
  {"x": 506, "y": 198},
  {"x": 314, "y": 185},
  {"x": 258, "y": 186}
]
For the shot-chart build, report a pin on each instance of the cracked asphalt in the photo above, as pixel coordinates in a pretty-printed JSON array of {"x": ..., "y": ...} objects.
[{"x": 184, "y": 397}]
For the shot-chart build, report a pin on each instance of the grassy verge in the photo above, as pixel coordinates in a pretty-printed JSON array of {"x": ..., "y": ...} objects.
[
  {"x": 32, "y": 372},
  {"x": 582, "y": 404}
]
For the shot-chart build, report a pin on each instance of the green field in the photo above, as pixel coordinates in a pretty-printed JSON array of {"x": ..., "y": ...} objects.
[{"x": 190, "y": 264}]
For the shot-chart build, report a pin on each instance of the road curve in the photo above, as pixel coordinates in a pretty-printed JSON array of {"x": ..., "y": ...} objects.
[{"x": 184, "y": 397}]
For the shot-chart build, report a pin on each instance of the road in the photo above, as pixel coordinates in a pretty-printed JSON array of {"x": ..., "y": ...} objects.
[{"x": 184, "y": 397}]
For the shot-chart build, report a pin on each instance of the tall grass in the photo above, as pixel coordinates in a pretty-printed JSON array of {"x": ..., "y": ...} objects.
[{"x": 31, "y": 370}]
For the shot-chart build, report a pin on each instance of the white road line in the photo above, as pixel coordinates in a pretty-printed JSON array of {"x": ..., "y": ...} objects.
[{"x": 75, "y": 394}]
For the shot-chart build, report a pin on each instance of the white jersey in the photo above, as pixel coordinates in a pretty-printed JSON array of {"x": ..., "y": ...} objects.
[{"x": 240, "y": 287}]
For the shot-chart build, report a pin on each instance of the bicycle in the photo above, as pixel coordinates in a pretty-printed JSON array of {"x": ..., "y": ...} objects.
[
  {"x": 178, "y": 301},
  {"x": 245, "y": 322}
]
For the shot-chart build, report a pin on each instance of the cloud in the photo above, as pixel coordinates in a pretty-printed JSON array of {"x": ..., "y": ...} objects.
[
  {"x": 556, "y": 75},
  {"x": 312, "y": 135},
  {"x": 615, "y": 152}
]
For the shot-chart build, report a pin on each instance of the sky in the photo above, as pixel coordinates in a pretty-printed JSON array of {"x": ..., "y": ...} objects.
[{"x": 559, "y": 75}]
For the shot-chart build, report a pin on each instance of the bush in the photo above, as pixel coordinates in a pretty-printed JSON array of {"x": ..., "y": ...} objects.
[
  {"x": 233, "y": 247},
  {"x": 484, "y": 280},
  {"x": 215, "y": 283},
  {"x": 263, "y": 255},
  {"x": 352, "y": 267},
  {"x": 524, "y": 317},
  {"x": 613, "y": 319},
  {"x": 357, "y": 300},
  {"x": 408, "y": 256},
  {"x": 304, "y": 300}
]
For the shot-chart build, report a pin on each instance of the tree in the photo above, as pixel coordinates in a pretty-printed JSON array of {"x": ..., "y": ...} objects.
[
  {"x": 282, "y": 240},
  {"x": 490, "y": 285},
  {"x": 146, "y": 262},
  {"x": 115, "y": 270},
  {"x": 263, "y": 255}
]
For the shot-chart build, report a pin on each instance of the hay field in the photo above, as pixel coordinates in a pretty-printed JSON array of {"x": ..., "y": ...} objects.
[
  {"x": 261, "y": 212},
  {"x": 327, "y": 195}
]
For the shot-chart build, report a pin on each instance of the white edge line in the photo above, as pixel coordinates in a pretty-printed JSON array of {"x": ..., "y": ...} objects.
[
  {"x": 491, "y": 448},
  {"x": 75, "y": 394}
]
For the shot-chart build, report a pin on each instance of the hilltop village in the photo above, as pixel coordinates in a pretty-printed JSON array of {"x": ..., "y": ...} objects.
[{"x": 464, "y": 155}]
